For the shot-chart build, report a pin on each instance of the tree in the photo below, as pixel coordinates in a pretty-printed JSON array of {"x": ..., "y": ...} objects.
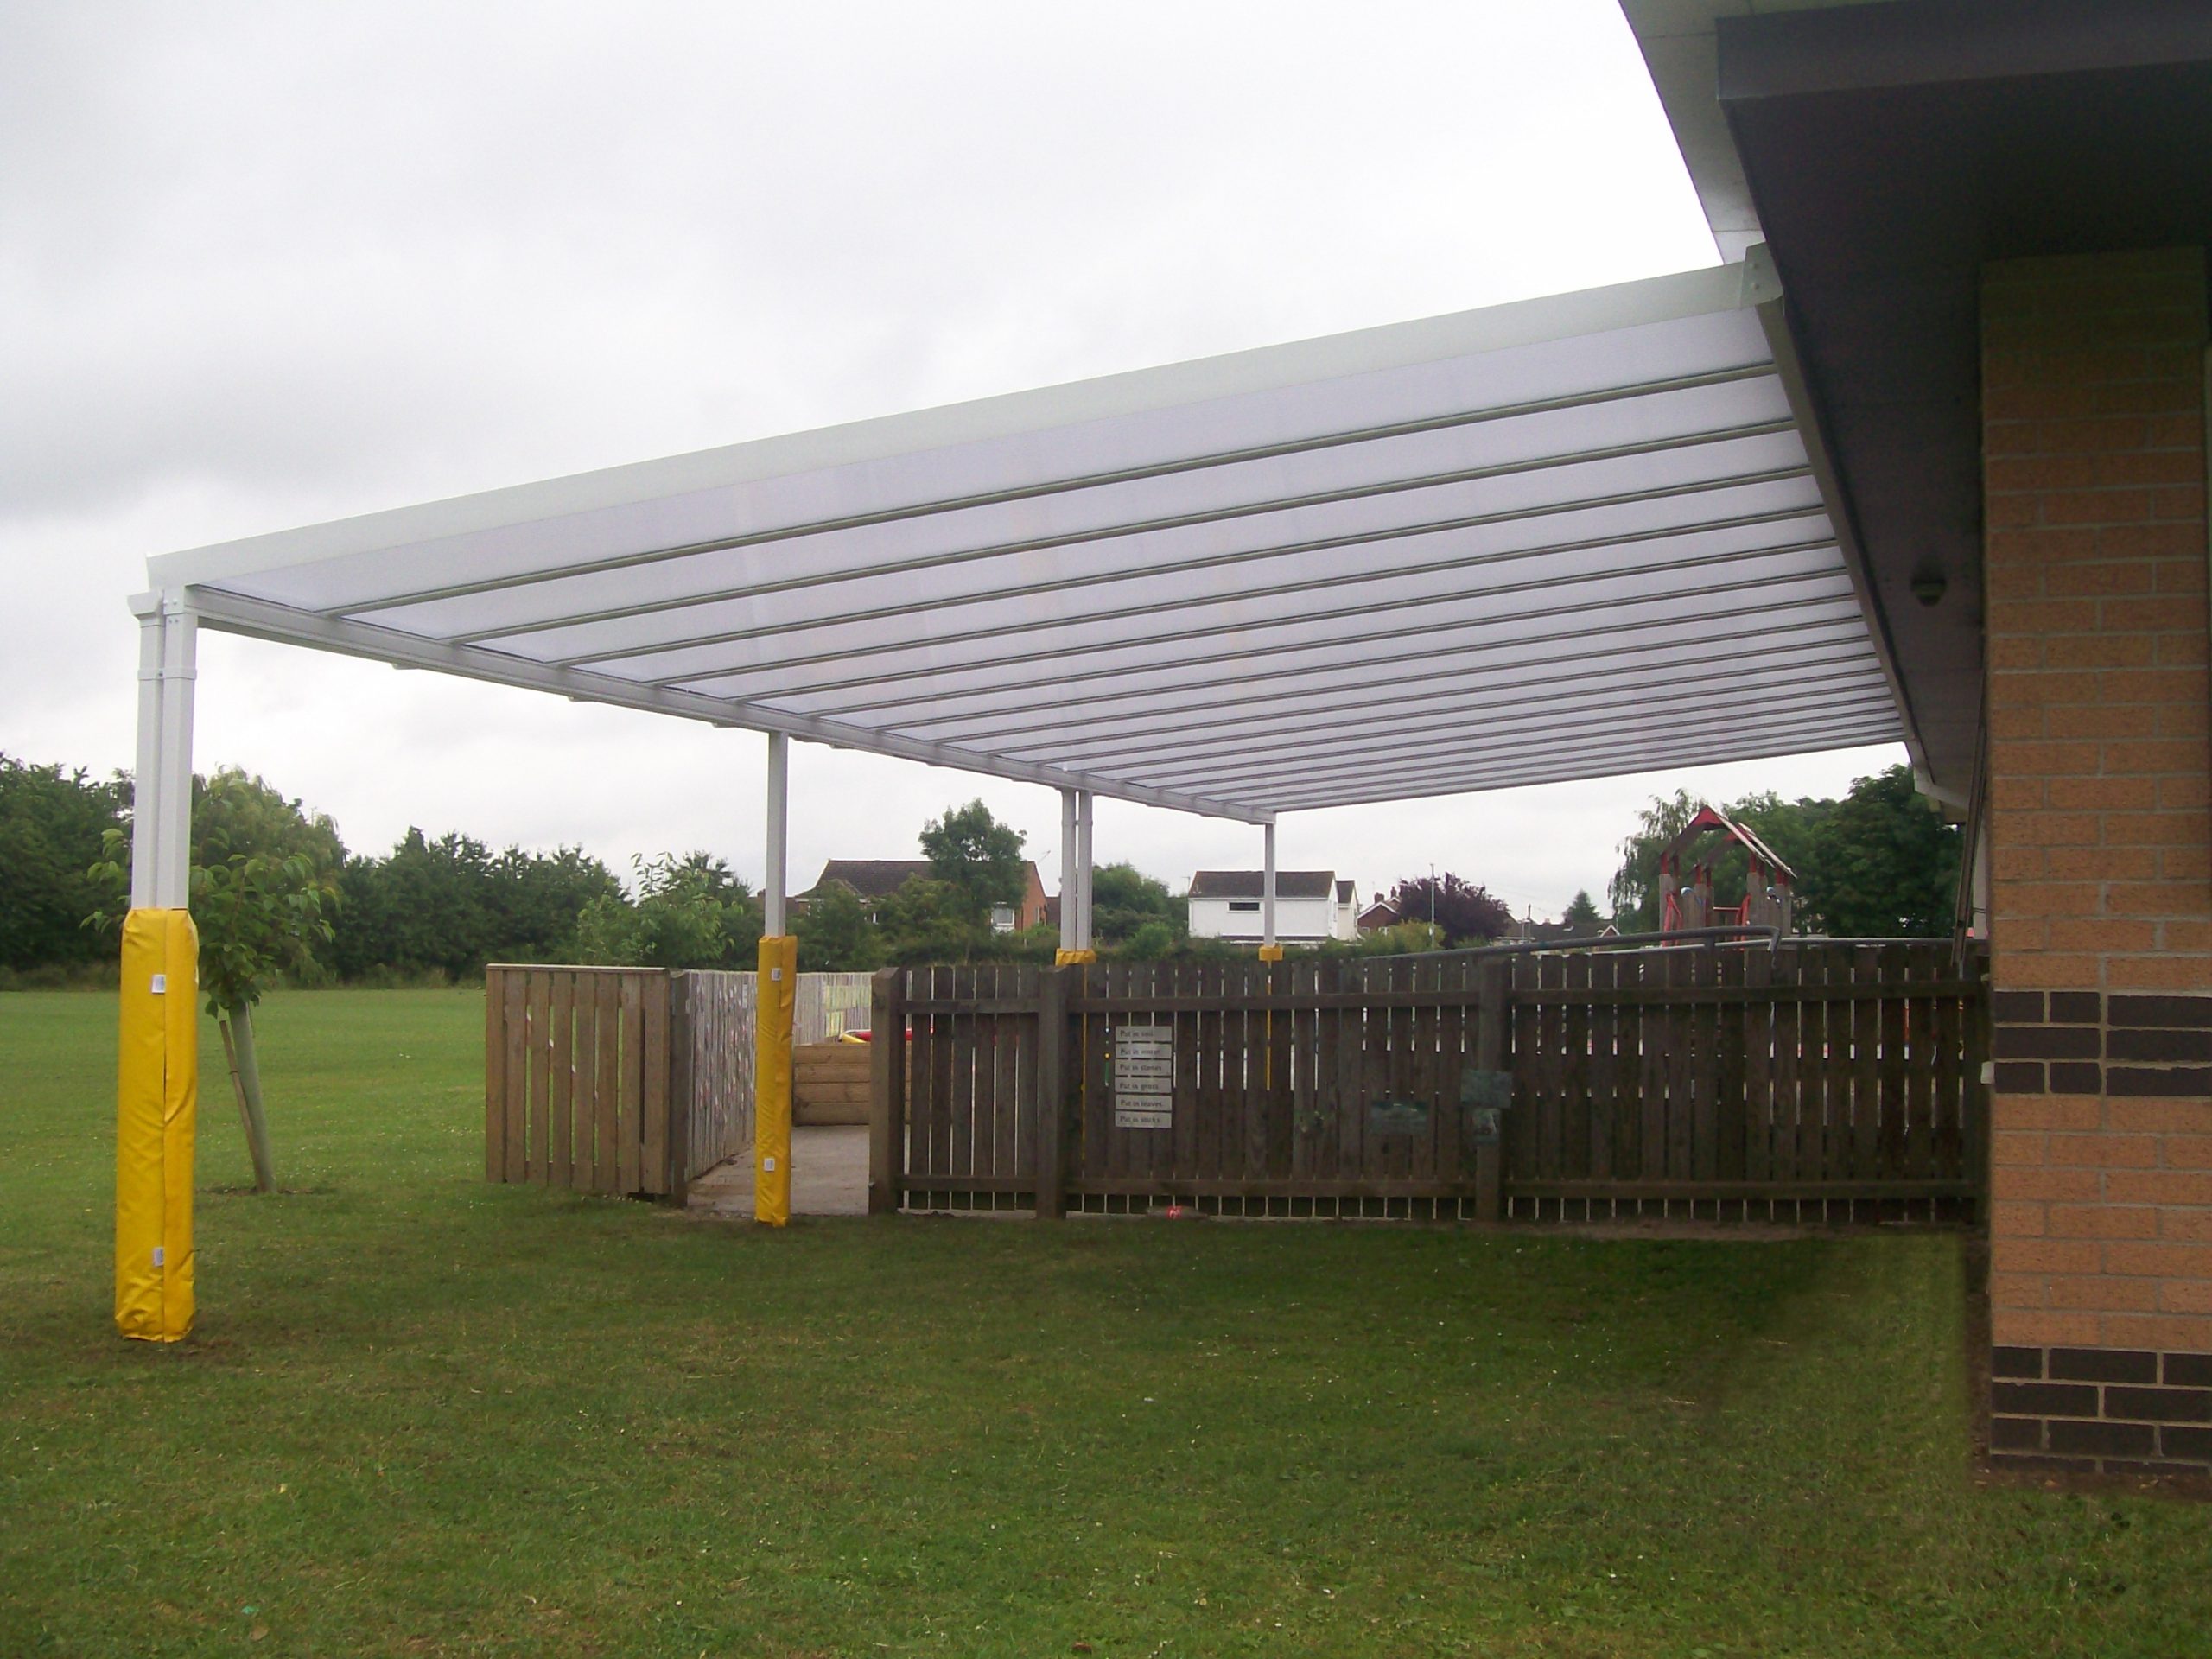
[
  {"x": 837, "y": 935},
  {"x": 691, "y": 912},
  {"x": 448, "y": 906},
  {"x": 1125, "y": 902},
  {"x": 928, "y": 920},
  {"x": 1883, "y": 863},
  {"x": 1581, "y": 914},
  {"x": 265, "y": 880},
  {"x": 977, "y": 856},
  {"x": 53, "y": 825},
  {"x": 1465, "y": 913}
]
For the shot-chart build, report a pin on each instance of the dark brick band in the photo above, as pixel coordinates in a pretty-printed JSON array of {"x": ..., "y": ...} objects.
[
  {"x": 2112, "y": 1411},
  {"x": 2087, "y": 1043}
]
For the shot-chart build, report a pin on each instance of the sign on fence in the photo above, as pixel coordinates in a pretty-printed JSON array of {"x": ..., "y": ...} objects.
[{"x": 1144, "y": 1077}]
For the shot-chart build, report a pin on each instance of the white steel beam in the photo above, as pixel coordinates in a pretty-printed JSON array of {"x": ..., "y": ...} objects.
[
  {"x": 1085, "y": 811},
  {"x": 1069, "y": 880},
  {"x": 258, "y": 619},
  {"x": 1268, "y": 885},
  {"x": 778, "y": 792}
]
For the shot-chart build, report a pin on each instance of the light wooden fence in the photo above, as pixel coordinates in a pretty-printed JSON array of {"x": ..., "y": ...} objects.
[
  {"x": 576, "y": 1085},
  {"x": 629, "y": 1081},
  {"x": 1708, "y": 1081},
  {"x": 711, "y": 1037}
]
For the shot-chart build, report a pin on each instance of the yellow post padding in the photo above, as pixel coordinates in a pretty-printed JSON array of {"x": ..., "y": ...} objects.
[
  {"x": 1073, "y": 958},
  {"x": 1271, "y": 953},
  {"x": 771, "y": 1079},
  {"x": 157, "y": 1099}
]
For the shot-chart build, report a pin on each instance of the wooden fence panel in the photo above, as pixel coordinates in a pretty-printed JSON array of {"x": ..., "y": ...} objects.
[
  {"x": 584, "y": 1068},
  {"x": 1701, "y": 1080}
]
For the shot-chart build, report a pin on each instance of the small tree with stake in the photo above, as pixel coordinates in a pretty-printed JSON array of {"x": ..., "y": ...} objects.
[{"x": 264, "y": 882}]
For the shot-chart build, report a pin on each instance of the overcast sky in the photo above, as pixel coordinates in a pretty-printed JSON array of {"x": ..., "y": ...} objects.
[{"x": 268, "y": 265}]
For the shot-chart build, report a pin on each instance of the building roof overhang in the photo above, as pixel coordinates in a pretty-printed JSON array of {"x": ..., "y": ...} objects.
[{"x": 1885, "y": 153}]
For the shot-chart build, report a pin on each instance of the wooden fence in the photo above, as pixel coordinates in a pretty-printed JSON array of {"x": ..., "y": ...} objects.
[
  {"x": 629, "y": 1081},
  {"x": 711, "y": 1066},
  {"x": 1839, "y": 1080},
  {"x": 575, "y": 1082}
]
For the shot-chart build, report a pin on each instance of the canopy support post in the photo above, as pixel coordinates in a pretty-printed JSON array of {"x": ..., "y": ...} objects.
[
  {"x": 1269, "y": 950},
  {"x": 158, "y": 1080},
  {"x": 775, "y": 1009},
  {"x": 1086, "y": 809},
  {"x": 1071, "y": 881}
]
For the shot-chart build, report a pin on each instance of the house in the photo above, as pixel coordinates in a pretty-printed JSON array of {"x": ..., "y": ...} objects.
[
  {"x": 1310, "y": 907},
  {"x": 872, "y": 880},
  {"x": 1383, "y": 912}
]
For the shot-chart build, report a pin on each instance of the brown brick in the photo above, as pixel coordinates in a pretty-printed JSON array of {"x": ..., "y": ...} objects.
[
  {"x": 2167, "y": 1117},
  {"x": 2158, "y": 1261},
  {"x": 2159, "y": 1186},
  {"x": 2113, "y": 579},
  {"x": 2021, "y": 1327},
  {"x": 2015, "y": 1220},
  {"x": 2045, "y": 1256},
  {"x": 2104, "y": 1293},
  {"x": 2015, "y": 1434},
  {"x": 2102, "y": 1151},
  {"x": 2162, "y": 973},
  {"x": 2094, "y": 1217},
  {"x": 2047, "y": 1186},
  {"x": 2019, "y": 1363},
  {"x": 2098, "y": 722},
  {"x": 2188, "y": 1370},
  {"x": 2107, "y": 651},
  {"x": 2155, "y": 1330},
  {"x": 2186, "y": 1150},
  {"x": 2107, "y": 934}
]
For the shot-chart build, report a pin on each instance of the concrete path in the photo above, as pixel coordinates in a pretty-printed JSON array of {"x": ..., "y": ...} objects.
[{"x": 828, "y": 1176}]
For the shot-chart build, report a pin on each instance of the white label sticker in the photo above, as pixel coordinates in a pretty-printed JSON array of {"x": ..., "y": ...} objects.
[
  {"x": 160, "y": 1256},
  {"x": 775, "y": 976},
  {"x": 160, "y": 984},
  {"x": 768, "y": 1165}
]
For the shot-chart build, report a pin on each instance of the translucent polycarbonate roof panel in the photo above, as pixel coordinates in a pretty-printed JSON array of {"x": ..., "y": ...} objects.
[{"x": 1578, "y": 535}]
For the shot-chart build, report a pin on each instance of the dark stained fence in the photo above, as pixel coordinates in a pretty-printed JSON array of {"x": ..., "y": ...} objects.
[
  {"x": 1815, "y": 1081},
  {"x": 1689, "y": 1081}
]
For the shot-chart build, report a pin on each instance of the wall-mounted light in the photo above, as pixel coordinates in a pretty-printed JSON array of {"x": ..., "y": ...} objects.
[{"x": 1928, "y": 586}]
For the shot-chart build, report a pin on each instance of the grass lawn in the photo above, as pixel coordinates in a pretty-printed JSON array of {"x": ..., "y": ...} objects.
[{"x": 423, "y": 1414}]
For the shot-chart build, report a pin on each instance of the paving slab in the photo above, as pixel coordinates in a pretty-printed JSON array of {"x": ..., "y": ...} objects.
[{"x": 828, "y": 1176}]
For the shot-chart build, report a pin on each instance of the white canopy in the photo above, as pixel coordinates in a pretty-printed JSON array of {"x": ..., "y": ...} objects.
[{"x": 1580, "y": 535}]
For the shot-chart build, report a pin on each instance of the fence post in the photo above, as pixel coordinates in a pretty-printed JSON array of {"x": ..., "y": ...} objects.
[
  {"x": 680, "y": 1087},
  {"x": 495, "y": 1076},
  {"x": 1052, "y": 1092},
  {"x": 1493, "y": 982},
  {"x": 886, "y": 1099}
]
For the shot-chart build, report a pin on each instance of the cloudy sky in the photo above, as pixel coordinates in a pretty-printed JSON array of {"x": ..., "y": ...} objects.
[{"x": 263, "y": 265}]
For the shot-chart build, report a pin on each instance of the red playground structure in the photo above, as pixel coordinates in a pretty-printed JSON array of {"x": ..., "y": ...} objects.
[{"x": 1768, "y": 898}]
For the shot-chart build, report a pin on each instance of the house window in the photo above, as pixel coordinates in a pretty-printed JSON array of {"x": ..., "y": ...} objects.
[{"x": 1252, "y": 905}]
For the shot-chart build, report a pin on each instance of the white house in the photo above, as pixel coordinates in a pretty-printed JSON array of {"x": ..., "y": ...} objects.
[{"x": 1310, "y": 906}]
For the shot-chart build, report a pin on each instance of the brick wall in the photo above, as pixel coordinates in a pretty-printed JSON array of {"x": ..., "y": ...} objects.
[{"x": 2101, "y": 825}]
